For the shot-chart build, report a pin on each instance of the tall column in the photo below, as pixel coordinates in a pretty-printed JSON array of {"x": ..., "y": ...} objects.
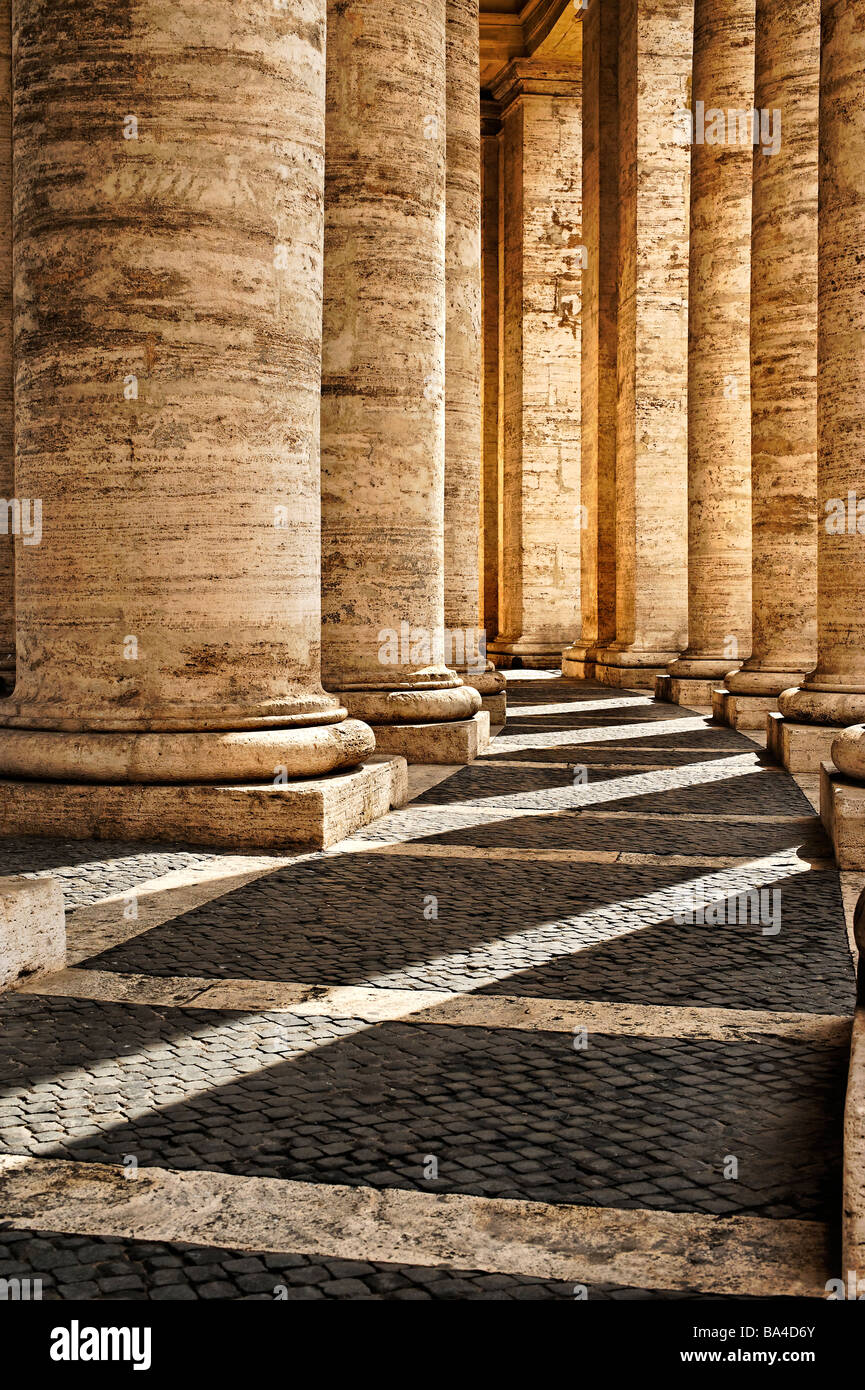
[
  {"x": 7, "y": 414},
  {"x": 383, "y": 418},
  {"x": 719, "y": 412},
  {"x": 834, "y": 692},
  {"x": 168, "y": 234},
  {"x": 542, "y": 262},
  {"x": 655, "y": 51},
  {"x": 783, "y": 363},
  {"x": 465, "y": 646},
  {"x": 599, "y": 339},
  {"x": 490, "y": 127}
]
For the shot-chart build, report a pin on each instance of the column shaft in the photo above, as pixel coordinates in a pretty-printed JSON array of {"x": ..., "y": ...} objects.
[
  {"x": 655, "y": 54},
  {"x": 542, "y": 263},
  {"x": 834, "y": 693},
  {"x": 8, "y": 496},
  {"x": 719, "y": 418},
  {"x": 600, "y": 213},
  {"x": 168, "y": 229},
  {"x": 784, "y": 352},
  {"x": 465, "y": 646},
  {"x": 383, "y": 417},
  {"x": 490, "y": 127}
]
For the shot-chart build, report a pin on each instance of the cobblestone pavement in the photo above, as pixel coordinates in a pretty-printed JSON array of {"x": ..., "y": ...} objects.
[{"x": 609, "y": 1121}]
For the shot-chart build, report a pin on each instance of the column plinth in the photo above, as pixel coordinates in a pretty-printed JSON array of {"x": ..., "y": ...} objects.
[
  {"x": 833, "y": 694},
  {"x": 7, "y": 422},
  {"x": 719, "y": 455},
  {"x": 167, "y": 344},
  {"x": 382, "y": 409}
]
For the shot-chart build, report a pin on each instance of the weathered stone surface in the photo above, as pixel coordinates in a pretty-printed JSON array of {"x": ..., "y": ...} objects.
[
  {"x": 797, "y": 747},
  {"x": 462, "y": 485},
  {"x": 383, "y": 414},
  {"x": 316, "y": 811},
  {"x": 784, "y": 355},
  {"x": 842, "y": 811},
  {"x": 742, "y": 711},
  {"x": 853, "y": 1217},
  {"x": 834, "y": 693},
  {"x": 32, "y": 928},
  {"x": 719, "y": 422},
  {"x": 7, "y": 420},
  {"x": 598, "y": 385},
  {"x": 490, "y": 127},
  {"x": 655, "y": 55},
  {"x": 457, "y": 741},
  {"x": 168, "y": 623},
  {"x": 540, "y": 405}
]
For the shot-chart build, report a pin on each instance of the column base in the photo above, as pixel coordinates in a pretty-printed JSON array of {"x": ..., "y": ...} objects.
[
  {"x": 742, "y": 711},
  {"x": 842, "y": 811},
  {"x": 457, "y": 741},
  {"x": 530, "y": 656},
  {"x": 312, "y": 813},
  {"x": 799, "y": 747},
  {"x": 629, "y": 668},
  {"x": 32, "y": 929},
  {"x": 679, "y": 690},
  {"x": 492, "y": 688},
  {"x": 579, "y": 663}
]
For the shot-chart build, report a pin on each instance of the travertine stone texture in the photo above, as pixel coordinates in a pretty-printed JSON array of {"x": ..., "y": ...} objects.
[
  {"x": 719, "y": 413},
  {"x": 383, "y": 415},
  {"x": 784, "y": 354},
  {"x": 834, "y": 693},
  {"x": 7, "y": 419},
  {"x": 313, "y": 811},
  {"x": 491, "y": 500},
  {"x": 463, "y": 347},
  {"x": 599, "y": 340},
  {"x": 742, "y": 711},
  {"x": 798, "y": 747},
  {"x": 655, "y": 52},
  {"x": 32, "y": 928},
  {"x": 168, "y": 238},
  {"x": 457, "y": 741},
  {"x": 541, "y": 248},
  {"x": 842, "y": 811}
]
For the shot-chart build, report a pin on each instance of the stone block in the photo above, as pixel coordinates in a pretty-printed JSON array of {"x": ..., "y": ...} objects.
[
  {"x": 799, "y": 747},
  {"x": 842, "y": 811},
  {"x": 315, "y": 812},
  {"x": 457, "y": 741},
  {"x": 32, "y": 928}
]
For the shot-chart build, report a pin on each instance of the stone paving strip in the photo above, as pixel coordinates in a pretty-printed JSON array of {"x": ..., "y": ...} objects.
[
  {"x": 383, "y": 1005},
  {"x": 573, "y": 1244}
]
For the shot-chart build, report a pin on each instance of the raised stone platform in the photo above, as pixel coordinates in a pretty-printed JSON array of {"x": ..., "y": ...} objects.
[
  {"x": 680, "y": 690},
  {"x": 457, "y": 741},
  {"x": 799, "y": 747},
  {"x": 32, "y": 928},
  {"x": 627, "y": 677},
  {"x": 496, "y": 707},
  {"x": 742, "y": 711},
  {"x": 315, "y": 812},
  {"x": 842, "y": 811}
]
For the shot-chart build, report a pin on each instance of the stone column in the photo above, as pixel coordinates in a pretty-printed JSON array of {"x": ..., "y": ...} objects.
[
  {"x": 168, "y": 241},
  {"x": 834, "y": 692},
  {"x": 719, "y": 412},
  {"x": 490, "y": 127},
  {"x": 383, "y": 417},
  {"x": 599, "y": 314},
  {"x": 7, "y": 413},
  {"x": 465, "y": 645},
  {"x": 783, "y": 363},
  {"x": 542, "y": 263},
  {"x": 655, "y": 49}
]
